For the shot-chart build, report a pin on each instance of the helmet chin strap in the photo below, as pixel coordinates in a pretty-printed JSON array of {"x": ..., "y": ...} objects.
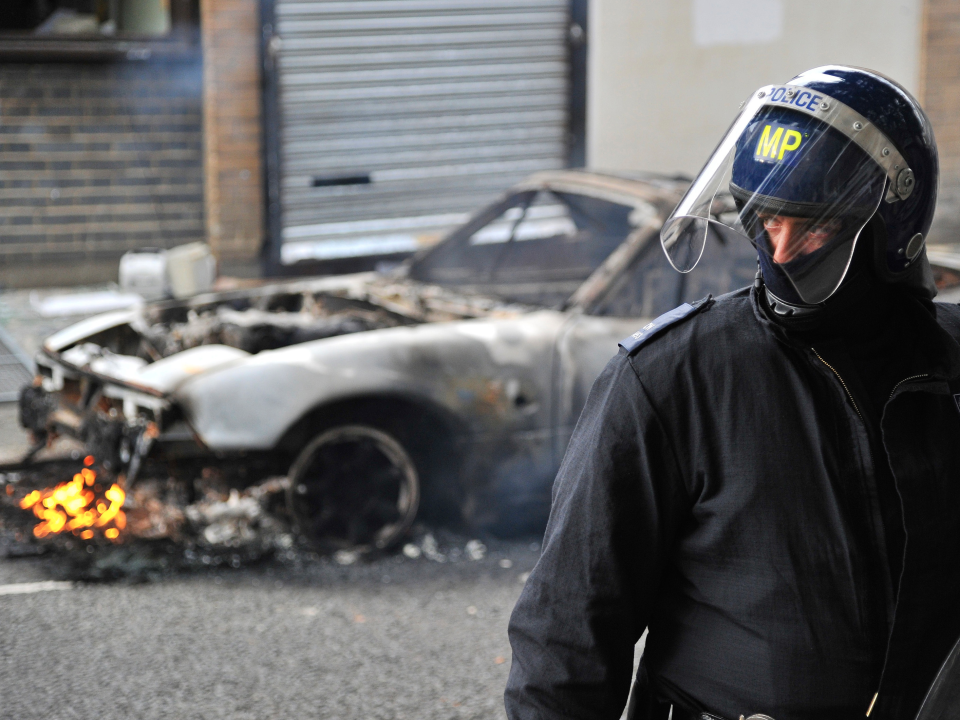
[
  {"x": 780, "y": 307},
  {"x": 857, "y": 287},
  {"x": 780, "y": 290}
]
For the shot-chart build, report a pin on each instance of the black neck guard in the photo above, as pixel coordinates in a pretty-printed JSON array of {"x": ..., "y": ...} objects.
[{"x": 862, "y": 301}]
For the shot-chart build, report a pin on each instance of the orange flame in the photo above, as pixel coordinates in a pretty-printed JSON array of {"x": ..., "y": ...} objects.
[{"x": 74, "y": 506}]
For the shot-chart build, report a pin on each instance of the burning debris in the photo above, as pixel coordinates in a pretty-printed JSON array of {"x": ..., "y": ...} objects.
[
  {"x": 108, "y": 532},
  {"x": 80, "y": 506},
  {"x": 255, "y": 519},
  {"x": 165, "y": 529}
]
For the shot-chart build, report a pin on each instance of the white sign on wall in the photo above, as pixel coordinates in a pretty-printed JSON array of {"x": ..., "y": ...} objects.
[{"x": 737, "y": 22}]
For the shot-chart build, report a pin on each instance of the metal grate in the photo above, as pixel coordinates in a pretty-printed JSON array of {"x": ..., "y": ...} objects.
[
  {"x": 98, "y": 159},
  {"x": 16, "y": 368}
]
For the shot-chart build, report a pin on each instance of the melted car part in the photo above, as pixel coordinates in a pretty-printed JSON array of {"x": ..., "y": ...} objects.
[{"x": 273, "y": 322}]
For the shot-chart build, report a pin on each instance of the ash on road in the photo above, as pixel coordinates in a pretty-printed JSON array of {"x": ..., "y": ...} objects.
[{"x": 392, "y": 638}]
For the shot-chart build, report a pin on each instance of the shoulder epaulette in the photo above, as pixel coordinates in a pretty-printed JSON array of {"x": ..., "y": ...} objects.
[{"x": 632, "y": 343}]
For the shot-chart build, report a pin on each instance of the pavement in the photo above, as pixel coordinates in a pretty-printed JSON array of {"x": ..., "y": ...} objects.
[{"x": 14, "y": 442}]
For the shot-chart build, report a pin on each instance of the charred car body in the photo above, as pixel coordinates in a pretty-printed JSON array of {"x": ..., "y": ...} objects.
[{"x": 450, "y": 385}]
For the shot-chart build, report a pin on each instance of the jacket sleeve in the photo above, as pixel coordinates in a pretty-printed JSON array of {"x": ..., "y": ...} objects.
[{"x": 588, "y": 600}]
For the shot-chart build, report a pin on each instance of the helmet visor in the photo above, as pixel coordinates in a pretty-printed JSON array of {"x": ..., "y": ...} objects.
[{"x": 789, "y": 178}]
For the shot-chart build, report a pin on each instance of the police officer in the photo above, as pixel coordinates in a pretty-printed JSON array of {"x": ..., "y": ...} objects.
[{"x": 769, "y": 481}]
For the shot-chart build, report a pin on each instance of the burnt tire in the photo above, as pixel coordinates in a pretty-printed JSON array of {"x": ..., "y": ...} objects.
[{"x": 354, "y": 487}]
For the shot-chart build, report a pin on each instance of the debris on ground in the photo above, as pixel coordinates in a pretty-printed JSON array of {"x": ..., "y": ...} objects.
[
  {"x": 346, "y": 557},
  {"x": 172, "y": 527},
  {"x": 163, "y": 531},
  {"x": 476, "y": 550},
  {"x": 430, "y": 549},
  {"x": 241, "y": 518}
]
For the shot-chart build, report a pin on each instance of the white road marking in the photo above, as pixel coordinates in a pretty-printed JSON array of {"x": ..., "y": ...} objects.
[{"x": 34, "y": 587}]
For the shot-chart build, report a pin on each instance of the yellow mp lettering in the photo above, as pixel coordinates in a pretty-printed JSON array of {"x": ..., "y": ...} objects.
[
  {"x": 768, "y": 145},
  {"x": 791, "y": 141}
]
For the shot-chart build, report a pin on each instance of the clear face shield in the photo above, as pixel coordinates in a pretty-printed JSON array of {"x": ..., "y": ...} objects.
[{"x": 799, "y": 174}]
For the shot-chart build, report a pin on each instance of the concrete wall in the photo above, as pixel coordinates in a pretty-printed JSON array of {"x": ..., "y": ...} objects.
[{"x": 666, "y": 77}]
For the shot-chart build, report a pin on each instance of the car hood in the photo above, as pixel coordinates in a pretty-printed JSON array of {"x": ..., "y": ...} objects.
[
  {"x": 168, "y": 342},
  {"x": 470, "y": 368},
  {"x": 244, "y": 364},
  {"x": 168, "y": 374}
]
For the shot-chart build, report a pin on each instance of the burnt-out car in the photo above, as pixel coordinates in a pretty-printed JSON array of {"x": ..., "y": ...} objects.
[{"x": 448, "y": 386}]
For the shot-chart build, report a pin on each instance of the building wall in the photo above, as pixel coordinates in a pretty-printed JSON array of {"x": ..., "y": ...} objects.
[
  {"x": 940, "y": 95},
  {"x": 666, "y": 78},
  {"x": 232, "y": 132},
  {"x": 96, "y": 159}
]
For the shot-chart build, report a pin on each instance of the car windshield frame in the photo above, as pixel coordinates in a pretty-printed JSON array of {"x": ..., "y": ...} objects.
[{"x": 523, "y": 196}]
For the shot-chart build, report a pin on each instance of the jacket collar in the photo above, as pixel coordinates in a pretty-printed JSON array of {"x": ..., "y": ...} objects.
[{"x": 944, "y": 348}]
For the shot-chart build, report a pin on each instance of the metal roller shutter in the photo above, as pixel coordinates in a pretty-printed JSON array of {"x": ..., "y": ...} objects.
[
  {"x": 399, "y": 116},
  {"x": 97, "y": 159}
]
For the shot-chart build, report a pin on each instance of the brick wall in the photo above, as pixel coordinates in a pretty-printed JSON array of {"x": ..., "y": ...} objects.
[
  {"x": 234, "y": 180},
  {"x": 940, "y": 96},
  {"x": 95, "y": 160}
]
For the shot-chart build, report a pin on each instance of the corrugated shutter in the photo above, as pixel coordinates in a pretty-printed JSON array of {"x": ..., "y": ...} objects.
[
  {"x": 96, "y": 159},
  {"x": 439, "y": 104}
]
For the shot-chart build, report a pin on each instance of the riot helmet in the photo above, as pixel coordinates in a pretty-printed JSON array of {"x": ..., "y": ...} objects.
[{"x": 802, "y": 171}]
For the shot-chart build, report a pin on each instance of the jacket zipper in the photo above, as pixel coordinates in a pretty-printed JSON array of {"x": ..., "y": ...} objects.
[
  {"x": 854, "y": 403},
  {"x": 892, "y": 392},
  {"x": 845, "y": 388},
  {"x": 912, "y": 377}
]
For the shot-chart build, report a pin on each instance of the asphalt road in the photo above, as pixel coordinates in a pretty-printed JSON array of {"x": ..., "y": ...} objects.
[{"x": 396, "y": 638}]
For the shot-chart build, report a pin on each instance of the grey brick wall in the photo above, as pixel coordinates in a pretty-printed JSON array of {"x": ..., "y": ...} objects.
[{"x": 95, "y": 160}]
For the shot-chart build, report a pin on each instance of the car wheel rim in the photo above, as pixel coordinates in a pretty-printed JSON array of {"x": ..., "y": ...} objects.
[{"x": 353, "y": 487}]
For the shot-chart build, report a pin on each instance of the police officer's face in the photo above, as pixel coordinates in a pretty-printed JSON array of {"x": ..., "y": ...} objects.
[{"x": 793, "y": 237}]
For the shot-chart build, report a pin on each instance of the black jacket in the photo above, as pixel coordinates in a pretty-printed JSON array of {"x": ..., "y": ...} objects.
[{"x": 720, "y": 489}]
